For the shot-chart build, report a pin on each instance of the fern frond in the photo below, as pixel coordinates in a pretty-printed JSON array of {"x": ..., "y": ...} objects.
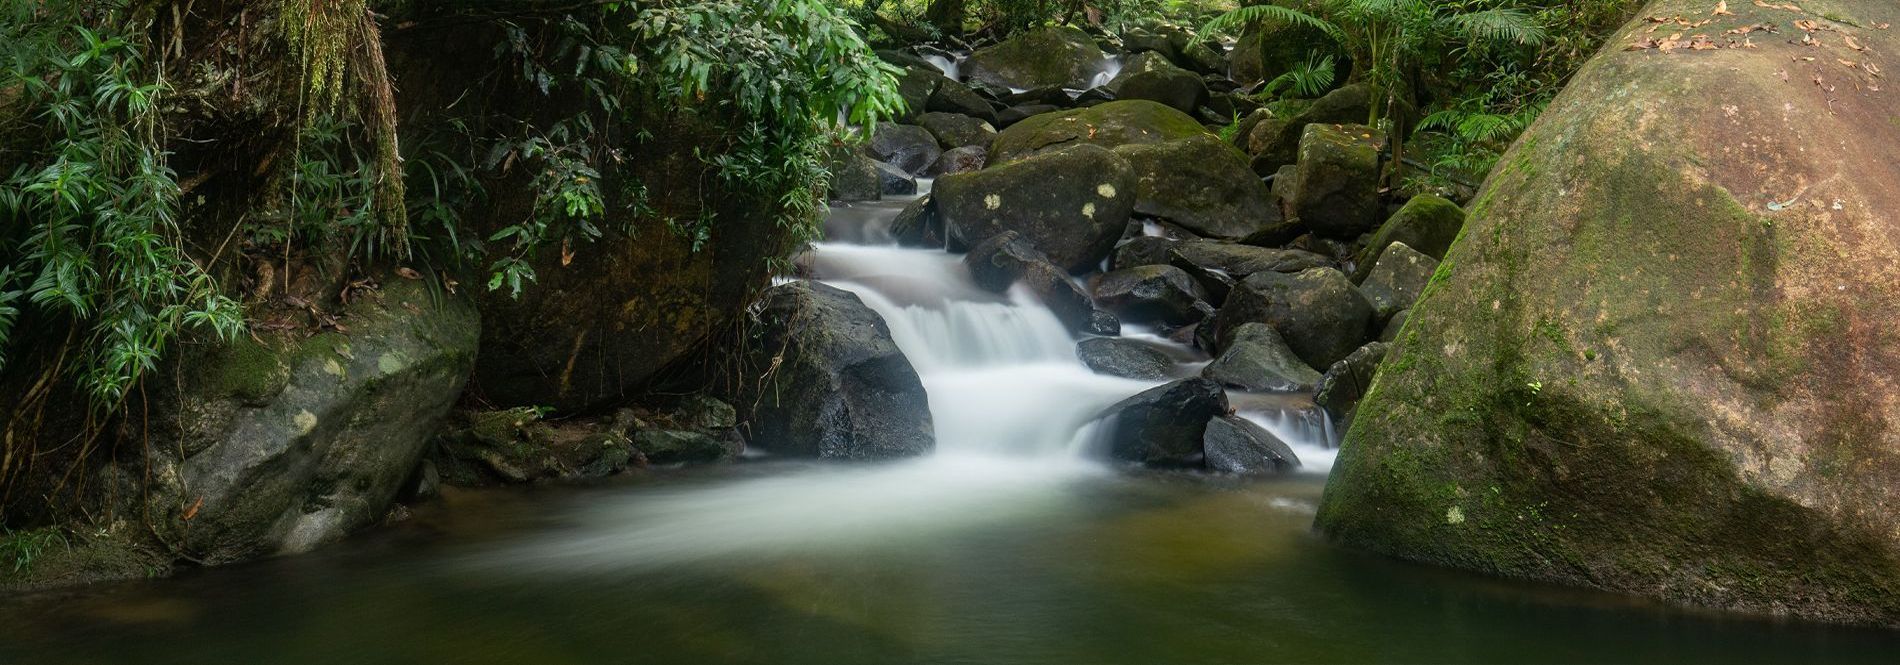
[
  {"x": 1500, "y": 25},
  {"x": 1240, "y": 18}
]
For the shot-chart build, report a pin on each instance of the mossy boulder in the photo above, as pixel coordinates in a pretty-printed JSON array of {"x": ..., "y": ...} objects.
[
  {"x": 1139, "y": 63},
  {"x": 1257, "y": 359},
  {"x": 283, "y": 442},
  {"x": 1264, "y": 53},
  {"x": 1071, "y": 204},
  {"x": 1274, "y": 142},
  {"x": 1336, "y": 193},
  {"x": 1427, "y": 223},
  {"x": 907, "y": 147},
  {"x": 1201, "y": 184},
  {"x": 955, "y": 130},
  {"x": 1317, "y": 311},
  {"x": 1660, "y": 359},
  {"x": 1107, "y": 125},
  {"x": 839, "y": 388},
  {"x": 1400, "y": 275},
  {"x": 1054, "y": 56},
  {"x": 1178, "y": 88}
]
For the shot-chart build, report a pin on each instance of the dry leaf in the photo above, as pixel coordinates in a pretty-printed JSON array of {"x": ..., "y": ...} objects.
[
  {"x": 1853, "y": 44},
  {"x": 1721, "y": 9},
  {"x": 408, "y": 273},
  {"x": 1792, "y": 8}
]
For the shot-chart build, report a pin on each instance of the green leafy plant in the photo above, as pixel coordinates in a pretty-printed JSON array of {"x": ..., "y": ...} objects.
[{"x": 1310, "y": 78}]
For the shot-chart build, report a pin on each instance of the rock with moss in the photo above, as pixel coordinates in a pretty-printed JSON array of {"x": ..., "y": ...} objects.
[
  {"x": 1263, "y": 53},
  {"x": 1126, "y": 358},
  {"x": 1655, "y": 363},
  {"x": 907, "y": 147},
  {"x": 280, "y": 443},
  {"x": 1053, "y": 56},
  {"x": 1275, "y": 142},
  {"x": 1107, "y": 125},
  {"x": 839, "y": 388},
  {"x": 1319, "y": 313},
  {"x": 1257, "y": 359},
  {"x": 1401, "y": 274},
  {"x": 954, "y": 130},
  {"x": 1426, "y": 223},
  {"x": 1348, "y": 381},
  {"x": 953, "y": 97},
  {"x": 1336, "y": 193},
  {"x": 1153, "y": 294},
  {"x": 1139, "y": 63},
  {"x": 855, "y": 177},
  {"x": 1071, "y": 204},
  {"x": 1201, "y": 184},
  {"x": 1177, "y": 88}
]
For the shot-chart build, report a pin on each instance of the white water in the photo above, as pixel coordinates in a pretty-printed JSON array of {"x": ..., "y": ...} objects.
[
  {"x": 1012, "y": 405},
  {"x": 950, "y": 68}
]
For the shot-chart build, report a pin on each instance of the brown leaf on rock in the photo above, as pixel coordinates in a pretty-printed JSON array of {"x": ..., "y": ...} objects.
[
  {"x": 1792, "y": 8},
  {"x": 1721, "y": 9}
]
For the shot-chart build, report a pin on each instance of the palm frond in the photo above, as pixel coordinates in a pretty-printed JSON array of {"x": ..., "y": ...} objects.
[
  {"x": 1252, "y": 15},
  {"x": 1307, "y": 79},
  {"x": 1499, "y": 25}
]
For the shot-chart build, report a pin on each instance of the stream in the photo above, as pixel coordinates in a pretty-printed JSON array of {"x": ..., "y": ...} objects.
[{"x": 1009, "y": 545}]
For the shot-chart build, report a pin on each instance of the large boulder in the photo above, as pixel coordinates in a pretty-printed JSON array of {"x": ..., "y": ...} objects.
[
  {"x": 1178, "y": 88},
  {"x": 1274, "y": 141},
  {"x": 1063, "y": 56},
  {"x": 1263, "y": 53},
  {"x": 1153, "y": 294},
  {"x": 1163, "y": 426},
  {"x": 282, "y": 442},
  {"x": 1426, "y": 223},
  {"x": 1258, "y": 360},
  {"x": 1395, "y": 283},
  {"x": 1317, "y": 311},
  {"x": 1337, "y": 190},
  {"x": 1660, "y": 361},
  {"x": 953, "y": 97},
  {"x": 1071, "y": 204},
  {"x": 855, "y": 177},
  {"x": 839, "y": 387},
  {"x": 907, "y": 147},
  {"x": 1233, "y": 444},
  {"x": 955, "y": 130},
  {"x": 1139, "y": 63},
  {"x": 1108, "y": 125},
  {"x": 1201, "y": 184}
]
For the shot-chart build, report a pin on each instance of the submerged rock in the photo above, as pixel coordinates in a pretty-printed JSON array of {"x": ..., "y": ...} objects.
[
  {"x": 1164, "y": 426},
  {"x": 841, "y": 388},
  {"x": 1235, "y": 445},
  {"x": 1125, "y": 358},
  {"x": 1655, "y": 362},
  {"x": 1258, "y": 360},
  {"x": 1071, "y": 204}
]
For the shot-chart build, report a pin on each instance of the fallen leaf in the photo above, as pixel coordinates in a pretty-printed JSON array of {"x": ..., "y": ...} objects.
[
  {"x": 1721, "y": 9},
  {"x": 1849, "y": 63},
  {"x": 1792, "y": 8},
  {"x": 193, "y": 510},
  {"x": 408, "y": 273},
  {"x": 1853, "y": 44}
]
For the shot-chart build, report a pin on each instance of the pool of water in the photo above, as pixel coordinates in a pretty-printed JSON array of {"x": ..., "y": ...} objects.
[{"x": 784, "y": 563}]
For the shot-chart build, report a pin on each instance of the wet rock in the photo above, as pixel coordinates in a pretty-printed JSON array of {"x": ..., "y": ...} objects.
[
  {"x": 1070, "y": 204},
  {"x": 1140, "y": 63},
  {"x": 1142, "y": 251},
  {"x": 1348, "y": 380},
  {"x": 274, "y": 444},
  {"x": 893, "y": 181},
  {"x": 1337, "y": 195},
  {"x": 1318, "y": 312},
  {"x": 919, "y": 225},
  {"x": 1258, "y": 360},
  {"x": 842, "y": 389},
  {"x": 907, "y": 147},
  {"x": 1201, "y": 184},
  {"x": 855, "y": 177},
  {"x": 1240, "y": 261},
  {"x": 1003, "y": 260},
  {"x": 1178, "y": 88},
  {"x": 1110, "y": 125},
  {"x": 1236, "y": 445},
  {"x": 1144, "y": 294},
  {"x": 953, "y": 97},
  {"x": 955, "y": 131},
  {"x": 959, "y": 160},
  {"x": 1401, "y": 275},
  {"x": 516, "y": 445},
  {"x": 1125, "y": 358},
  {"x": 1065, "y": 57},
  {"x": 1163, "y": 426},
  {"x": 1000, "y": 261},
  {"x": 672, "y": 446},
  {"x": 1427, "y": 223}
]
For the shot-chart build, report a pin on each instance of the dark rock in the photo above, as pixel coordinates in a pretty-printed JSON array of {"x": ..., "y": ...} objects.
[
  {"x": 1071, "y": 204},
  {"x": 1216, "y": 283},
  {"x": 919, "y": 225},
  {"x": 1140, "y": 63},
  {"x": 1109, "y": 125},
  {"x": 1235, "y": 445},
  {"x": 1137, "y": 42},
  {"x": 1014, "y": 115},
  {"x": 1125, "y": 358},
  {"x": 1048, "y": 96},
  {"x": 904, "y": 59},
  {"x": 842, "y": 389},
  {"x": 1276, "y": 235},
  {"x": 1394, "y": 326},
  {"x": 1177, "y": 88},
  {"x": 959, "y": 160},
  {"x": 957, "y": 131},
  {"x": 1258, "y": 360},
  {"x": 1265, "y": 52},
  {"x": 1348, "y": 380},
  {"x": 671, "y": 446},
  {"x": 916, "y": 85},
  {"x": 953, "y": 97},
  {"x": 1001, "y": 260},
  {"x": 1239, "y": 261},
  {"x": 1401, "y": 275},
  {"x": 907, "y": 147},
  {"x": 1338, "y": 191},
  {"x": 1201, "y": 184},
  {"x": 1427, "y": 224},
  {"x": 1007, "y": 258},
  {"x": 894, "y": 181},
  {"x": 855, "y": 177},
  {"x": 1317, "y": 311},
  {"x": 1164, "y": 426},
  {"x": 279, "y": 443},
  {"x": 1194, "y": 54},
  {"x": 1065, "y": 57},
  {"x": 1142, "y": 251},
  {"x": 1144, "y": 294}
]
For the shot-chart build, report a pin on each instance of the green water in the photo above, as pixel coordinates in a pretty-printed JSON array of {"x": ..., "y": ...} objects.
[{"x": 1091, "y": 568}]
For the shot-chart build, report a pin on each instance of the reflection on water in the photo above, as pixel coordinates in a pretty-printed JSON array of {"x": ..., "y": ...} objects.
[{"x": 707, "y": 566}]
